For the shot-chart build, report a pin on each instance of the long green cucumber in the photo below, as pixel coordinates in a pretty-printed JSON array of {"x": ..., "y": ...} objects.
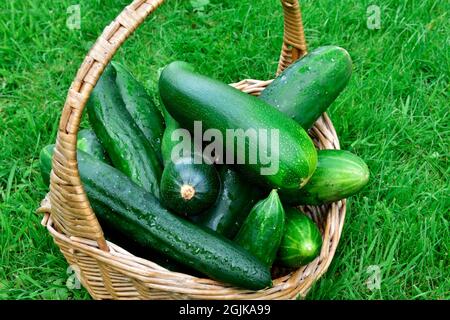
[
  {"x": 127, "y": 146},
  {"x": 88, "y": 142},
  {"x": 307, "y": 87},
  {"x": 263, "y": 229},
  {"x": 140, "y": 105},
  {"x": 233, "y": 204},
  {"x": 132, "y": 211},
  {"x": 191, "y": 97},
  {"x": 339, "y": 174},
  {"x": 167, "y": 143}
]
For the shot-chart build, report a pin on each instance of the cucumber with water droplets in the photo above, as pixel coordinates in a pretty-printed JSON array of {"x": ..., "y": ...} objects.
[
  {"x": 127, "y": 146},
  {"x": 132, "y": 211},
  {"x": 88, "y": 142},
  {"x": 308, "y": 86},
  {"x": 339, "y": 175}
]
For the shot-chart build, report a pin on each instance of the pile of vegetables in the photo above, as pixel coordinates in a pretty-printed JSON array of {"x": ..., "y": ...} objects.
[{"x": 228, "y": 222}]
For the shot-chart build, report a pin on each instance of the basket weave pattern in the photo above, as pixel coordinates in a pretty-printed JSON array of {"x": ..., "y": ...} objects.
[{"x": 110, "y": 272}]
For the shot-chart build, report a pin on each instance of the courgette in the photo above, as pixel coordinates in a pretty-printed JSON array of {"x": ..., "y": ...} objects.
[
  {"x": 132, "y": 211},
  {"x": 301, "y": 242},
  {"x": 233, "y": 204},
  {"x": 127, "y": 146},
  {"x": 263, "y": 229},
  {"x": 189, "y": 188},
  {"x": 191, "y": 97},
  {"x": 308, "y": 86},
  {"x": 339, "y": 175}
]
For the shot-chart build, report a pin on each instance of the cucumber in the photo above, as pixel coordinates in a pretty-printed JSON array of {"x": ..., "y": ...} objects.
[
  {"x": 132, "y": 211},
  {"x": 189, "y": 188},
  {"x": 305, "y": 89},
  {"x": 88, "y": 142},
  {"x": 233, "y": 204},
  {"x": 141, "y": 107},
  {"x": 191, "y": 97},
  {"x": 339, "y": 174},
  {"x": 301, "y": 242},
  {"x": 127, "y": 146},
  {"x": 167, "y": 144},
  {"x": 263, "y": 229}
]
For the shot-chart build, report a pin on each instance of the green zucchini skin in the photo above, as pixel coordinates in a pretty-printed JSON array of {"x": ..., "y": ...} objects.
[
  {"x": 305, "y": 89},
  {"x": 189, "y": 188},
  {"x": 88, "y": 142},
  {"x": 126, "y": 145},
  {"x": 140, "y": 105},
  {"x": 129, "y": 209},
  {"x": 263, "y": 229},
  {"x": 301, "y": 242},
  {"x": 339, "y": 175},
  {"x": 233, "y": 204},
  {"x": 191, "y": 97}
]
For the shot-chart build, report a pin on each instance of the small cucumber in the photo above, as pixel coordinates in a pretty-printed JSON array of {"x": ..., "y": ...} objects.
[
  {"x": 88, "y": 142},
  {"x": 308, "y": 86},
  {"x": 189, "y": 188},
  {"x": 129, "y": 209},
  {"x": 233, "y": 204},
  {"x": 127, "y": 147},
  {"x": 140, "y": 105},
  {"x": 301, "y": 242},
  {"x": 191, "y": 97},
  {"x": 167, "y": 143},
  {"x": 339, "y": 174},
  {"x": 263, "y": 229}
]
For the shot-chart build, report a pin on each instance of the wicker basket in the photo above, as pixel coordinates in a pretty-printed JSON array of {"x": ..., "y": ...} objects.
[{"x": 108, "y": 271}]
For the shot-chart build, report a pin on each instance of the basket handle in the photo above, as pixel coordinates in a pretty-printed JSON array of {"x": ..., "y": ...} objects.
[{"x": 70, "y": 208}]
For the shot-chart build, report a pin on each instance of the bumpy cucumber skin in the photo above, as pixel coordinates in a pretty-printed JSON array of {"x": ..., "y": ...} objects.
[
  {"x": 192, "y": 97},
  {"x": 263, "y": 229},
  {"x": 307, "y": 87},
  {"x": 301, "y": 242},
  {"x": 202, "y": 177},
  {"x": 339, "y": 175},
  {"x": 141, "y": 107},
  {"x": 132, "y": 211},
  {"x": 127, "y": 147},
  {"x": 88, "y": 142},
  {"x": 233, "y": 204}
]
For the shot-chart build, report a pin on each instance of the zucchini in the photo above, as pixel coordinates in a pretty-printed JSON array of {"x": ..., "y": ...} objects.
[
  {"x": 132, "y": 211},
  {"x": 141, "y": 107},
  {"x": 127, "y": 146},
  {"x": 189, "y": 188},
  {"x": 301, "y": 242},
  {"x": 305, "y": 89},
  {"x": 339, "y": 174},
  {"x": 262, "y": 231},
  {"x": 88, "y": 142},
  {"x": 45, "y": 163},
  {"x": 233, "y": 204},
  {"x": 191, "y": 97}
]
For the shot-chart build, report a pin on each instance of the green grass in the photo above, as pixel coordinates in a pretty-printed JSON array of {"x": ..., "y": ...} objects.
[{"x": 394, "y": 114}]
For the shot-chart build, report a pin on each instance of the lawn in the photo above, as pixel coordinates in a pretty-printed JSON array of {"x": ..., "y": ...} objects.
[{"x": 394, "y": 114}]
